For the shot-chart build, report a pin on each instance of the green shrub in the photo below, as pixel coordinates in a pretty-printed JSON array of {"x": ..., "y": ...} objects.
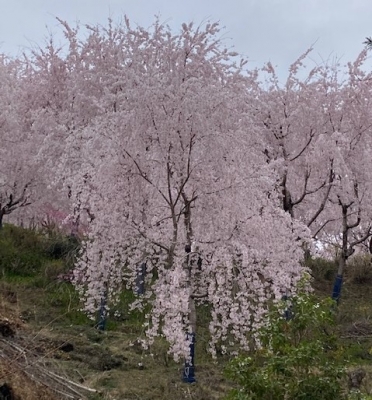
[
  {"x": 300, "y": 358},
  {"x": 61, "y": 247},
  {"x": 357, "y": 395}
]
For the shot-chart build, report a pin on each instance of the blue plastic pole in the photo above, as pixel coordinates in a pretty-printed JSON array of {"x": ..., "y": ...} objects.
[
  {"x": 188, "y": 375},
  {"x": 140, "y": 279},
  {"x": 337, "y": 288},
  {"x": 101, "y": 326},
  {"x": 288, "y": 312}
]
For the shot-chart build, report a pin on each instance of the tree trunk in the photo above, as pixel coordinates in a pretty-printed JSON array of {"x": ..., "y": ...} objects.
[
  {"x": 102, "y": 317},
  {"x": 345, "y": 252},
  {"x": 188, "y": 375},
  {"x": 337, "y": 286}
]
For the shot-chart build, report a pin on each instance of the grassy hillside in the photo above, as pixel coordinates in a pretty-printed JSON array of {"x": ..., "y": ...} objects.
[{"x": 50, "y": 350}]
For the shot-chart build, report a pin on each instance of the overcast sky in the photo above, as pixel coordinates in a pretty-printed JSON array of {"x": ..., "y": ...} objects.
[{"x": 262, "y": 30}]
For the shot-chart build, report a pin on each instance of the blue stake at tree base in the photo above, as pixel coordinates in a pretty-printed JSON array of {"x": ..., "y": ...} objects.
[
  {"x": 337, "y": 288},
  {"x": 288, "y": 312},
  {"x": 140, "y": 279},
  {"x": 188, "y": 375},
  {"x": 102, "y": 314}
]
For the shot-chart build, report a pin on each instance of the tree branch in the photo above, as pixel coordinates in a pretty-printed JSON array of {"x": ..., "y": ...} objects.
[{"x": 325, "y": 198}]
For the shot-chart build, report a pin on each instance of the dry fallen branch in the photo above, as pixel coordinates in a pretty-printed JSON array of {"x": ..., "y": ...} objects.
[
  {"x": 359, "y": 329},
  {"x": 34, "y": 366}
]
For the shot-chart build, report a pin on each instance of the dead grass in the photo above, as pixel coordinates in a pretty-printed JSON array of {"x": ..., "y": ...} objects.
[{"x": 22, "y": 386}]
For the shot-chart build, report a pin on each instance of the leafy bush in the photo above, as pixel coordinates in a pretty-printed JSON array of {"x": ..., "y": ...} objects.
[
  {"x": 357, "y": 395},
  {"x": 300, "y": 358},
  {"x": 59, "y": 246}
]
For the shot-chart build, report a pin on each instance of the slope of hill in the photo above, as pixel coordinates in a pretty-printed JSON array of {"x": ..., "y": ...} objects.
[{"x": 50, "y": 350}]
